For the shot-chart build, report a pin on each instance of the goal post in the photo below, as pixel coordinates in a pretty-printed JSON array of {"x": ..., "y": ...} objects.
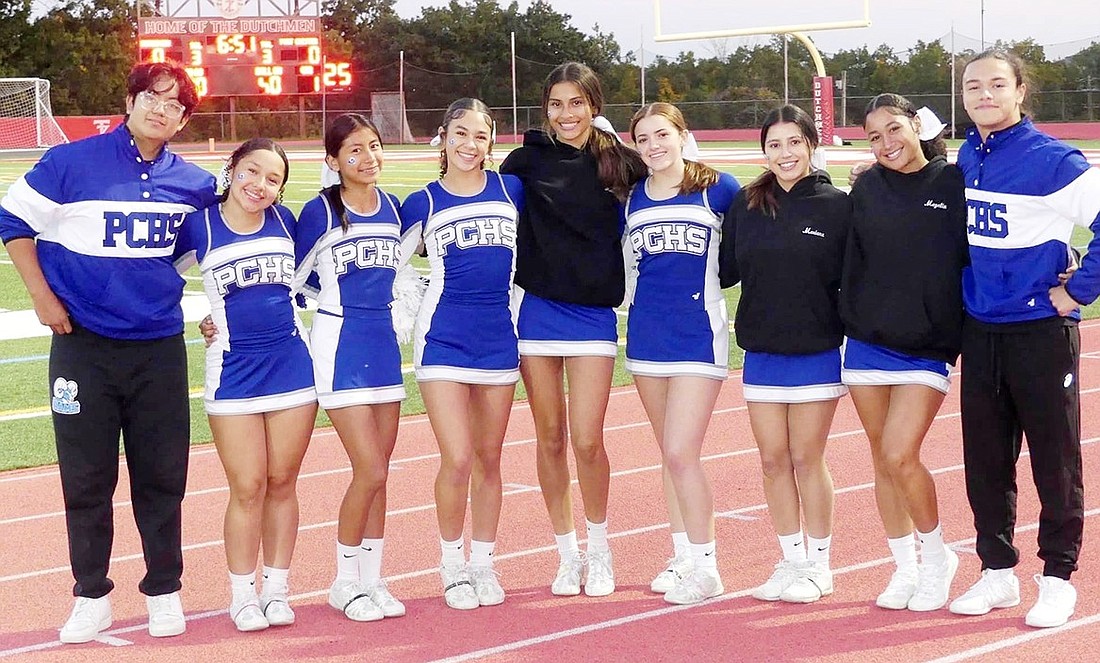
[{"x": 26, "y": 118}]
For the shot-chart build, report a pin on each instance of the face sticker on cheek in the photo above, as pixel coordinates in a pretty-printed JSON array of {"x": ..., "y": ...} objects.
[
  {"x": 450, "y": 141},
  {"x": 240, "y": 176},
  {"x": 352, "y": 161}
]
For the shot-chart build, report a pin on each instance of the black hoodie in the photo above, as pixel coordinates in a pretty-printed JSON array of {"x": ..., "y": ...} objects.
[
  {"x": 902, "y": 285},
  {"x": 569, "y": 240},
  {"x": 789, "y": 267}
]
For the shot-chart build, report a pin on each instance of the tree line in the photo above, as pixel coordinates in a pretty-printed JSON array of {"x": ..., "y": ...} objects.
[{"x": 85, "y": 48}]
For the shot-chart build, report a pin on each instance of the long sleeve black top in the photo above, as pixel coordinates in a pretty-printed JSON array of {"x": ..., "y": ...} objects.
[
  {"x": 569, "y": 240},
  {"x": 902, "y": 285},
  {"x": 789, "y": 267}
]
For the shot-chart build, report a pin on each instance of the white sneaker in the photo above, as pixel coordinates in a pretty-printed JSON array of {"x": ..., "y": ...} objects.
[
  {"x": 902, "y": 586},
  {"x": 698, "y": 585},
  {"x": 677, "y": 569},
  {"x": 601, "y": 577},
  {"x": 814, "y": 581},
  {"x": 486, "y": 585},
  {"x": 997, "y": 588},
  {"x": 350, "y": 598},
  {"x": 568, "y": 580},
  {"x": 88, "y": 618},
  {"x": 165, "y": 615},
  {"x": 277, "y": 610},
  {"x": 934, "y": 584},
  {"x": 381, "y": 597},
  {"x": 1057, "y": 600},
  {"x": 785, "y": 573},
  {"x": 248, "y": 616},
  {"x": 458, "y": 589}
]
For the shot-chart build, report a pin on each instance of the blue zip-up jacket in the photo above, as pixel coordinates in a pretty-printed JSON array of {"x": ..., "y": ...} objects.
[
  {"x": 1024, "y": 193},
  {"x": 105, "y": 221}
]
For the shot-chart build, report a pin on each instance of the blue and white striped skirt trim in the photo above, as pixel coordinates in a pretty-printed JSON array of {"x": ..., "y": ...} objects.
[
  {"x": 559, "y": 329},
  {"x": 867, "y": 364},
  {"x": 775, "y": 378}
]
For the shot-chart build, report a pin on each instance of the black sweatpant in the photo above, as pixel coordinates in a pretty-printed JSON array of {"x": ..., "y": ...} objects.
[
  {"x": 101, "y": 387},
  {"x": 1022, "y": 381}
]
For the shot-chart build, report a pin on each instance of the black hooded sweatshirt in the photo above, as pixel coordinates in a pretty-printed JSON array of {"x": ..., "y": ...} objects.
[
  {"x": 789, "y": 267},
  {"x": 569, "y": 240},
  {"x": 902, "y": 285}
]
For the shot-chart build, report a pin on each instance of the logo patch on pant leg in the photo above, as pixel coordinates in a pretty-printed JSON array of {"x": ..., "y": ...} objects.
[
  {"x": 1068, "y": 380},
  {"x": 64, "y": 397}
]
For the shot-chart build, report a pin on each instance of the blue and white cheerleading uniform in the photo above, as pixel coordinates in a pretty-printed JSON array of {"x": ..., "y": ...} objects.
[
  {"x": 465, "y": 331},
  {"x": 356, "y": 359},
  {"x": 678, "y": 323},
  {"x": 553, "y": 328},
  {"x": 259, "y": 361}
]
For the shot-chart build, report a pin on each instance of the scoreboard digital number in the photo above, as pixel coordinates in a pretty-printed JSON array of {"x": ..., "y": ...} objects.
[{"x": 237, "y": 64}]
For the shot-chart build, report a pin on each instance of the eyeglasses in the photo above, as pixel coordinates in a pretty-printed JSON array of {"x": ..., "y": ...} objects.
[{"x": 150, "y": 102}]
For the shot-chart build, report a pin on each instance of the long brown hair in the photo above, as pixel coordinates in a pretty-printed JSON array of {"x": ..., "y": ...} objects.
[
  {"x": 697, "y": 176},
  {"x": 618, "y": 165},
  {"x": 761, "y": 191}
]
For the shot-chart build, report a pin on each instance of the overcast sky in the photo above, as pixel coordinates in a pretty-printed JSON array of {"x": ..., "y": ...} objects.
[{"x": 899, "y": 23}]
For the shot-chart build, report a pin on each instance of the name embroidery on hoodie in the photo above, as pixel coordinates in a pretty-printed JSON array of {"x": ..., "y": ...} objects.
[
  {"x": 935, "y": 205},
  {"x": 810, "y": 231}
]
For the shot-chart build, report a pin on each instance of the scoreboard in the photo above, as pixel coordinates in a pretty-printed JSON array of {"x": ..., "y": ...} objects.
[{"x": 238, "y": 62}]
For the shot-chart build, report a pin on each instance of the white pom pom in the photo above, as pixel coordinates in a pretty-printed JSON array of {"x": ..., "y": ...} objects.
[{"x": 408, "y": 291}]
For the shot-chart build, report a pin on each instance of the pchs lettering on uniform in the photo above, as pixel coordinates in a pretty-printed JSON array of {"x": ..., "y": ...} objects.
[
  {"x": 365, "y": 253},
  {"x": 661, "y": 237},
  {"x": 470, "y": 233},
  {"x": 986, "y": 219},
  {"x": 255, "y": 270},
  {"x": 141, "y": 230}
]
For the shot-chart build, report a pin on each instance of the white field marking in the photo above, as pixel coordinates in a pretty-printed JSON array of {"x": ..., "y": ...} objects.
[
  {"x": 425, "y": 507},
  {"x": 1023, "y": 638},
  {"x": 526, "y": 489},
  {"x": 326, "y": 432},
  {"x": 660, "y": 612},
  {"x": 396, "y": 463},
  {"x": 36, "y": 413},
  {"x": 543, "y": 549},
  {"x": 113, "y": 641}
]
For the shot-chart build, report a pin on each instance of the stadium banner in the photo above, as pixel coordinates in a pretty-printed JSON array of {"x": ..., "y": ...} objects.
[
  {"x": 82, "y": 126},
  {"x": 823, "y": 108}
]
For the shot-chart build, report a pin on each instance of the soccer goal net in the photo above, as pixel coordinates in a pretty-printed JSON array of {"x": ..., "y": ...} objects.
[
  {"x": 387, "y": 110},
  {"x": 26, "y": 120}
]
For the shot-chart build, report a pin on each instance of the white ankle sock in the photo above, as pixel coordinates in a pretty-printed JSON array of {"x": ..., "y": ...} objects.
[
  {"x": 704, "y": 555},
  {"x": 347, "y": 562},
  {"x": 453, "y": 552},
  {"x": 817, "y": 550},
  {"x": 567, "y": 545},
  {"x": 370, "y": 561},
  {"x": 904, "y": 551},
  {"x": 794, "y": 548},
  {"x": 932, "y": 550},
  {"x": 275, "y": 581},
  {"x": 680, "y": 543},
  {"x": 481, "y": 552},
  {"x": 597, "y": 537},
  {"x": 243, "y": 586}
]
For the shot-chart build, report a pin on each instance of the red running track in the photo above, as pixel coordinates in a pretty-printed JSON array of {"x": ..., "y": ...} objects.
[{"x": 532, "y": 624}]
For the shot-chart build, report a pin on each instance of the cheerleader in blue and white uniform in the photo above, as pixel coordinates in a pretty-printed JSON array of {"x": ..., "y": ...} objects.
[
  {"x": 783, "y": 239},
  {"x": 260, "y": 396},
  {"x": 678, "y": 333},
  {"x": 348, "y": 239},
  {"x": 466, "y": 354}
]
